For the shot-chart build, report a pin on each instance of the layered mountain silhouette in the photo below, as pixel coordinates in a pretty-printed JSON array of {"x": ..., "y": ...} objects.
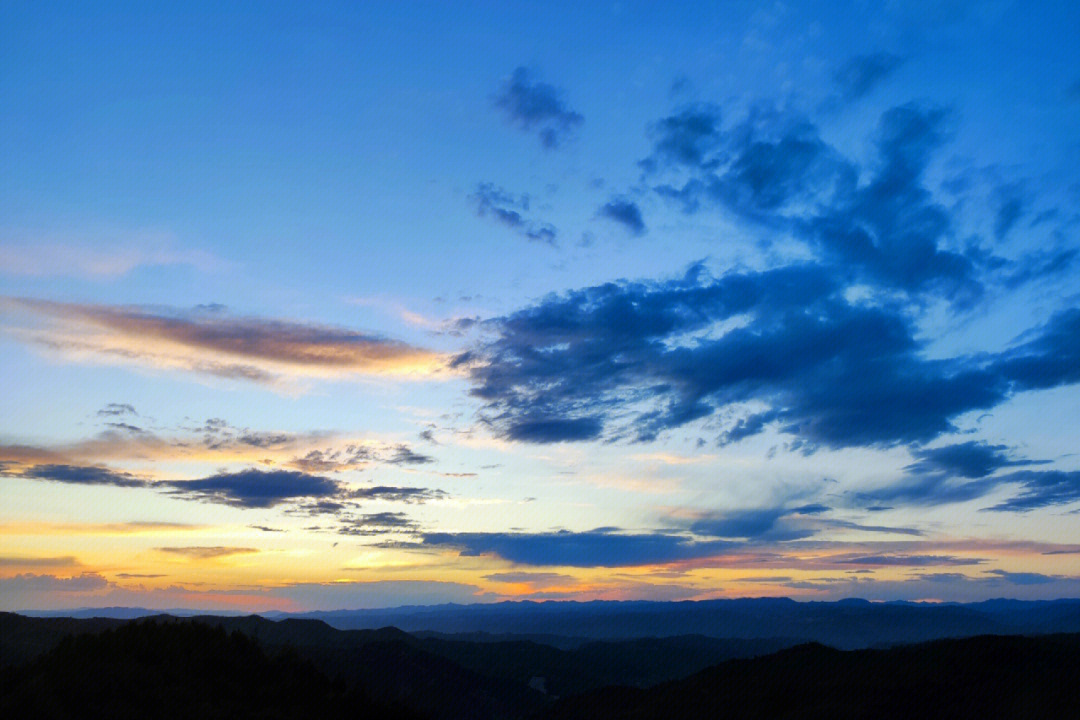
[{"x": 1006, "y": 665}]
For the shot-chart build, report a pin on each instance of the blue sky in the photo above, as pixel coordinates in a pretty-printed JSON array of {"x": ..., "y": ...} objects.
[{"x": 326, "y": 307}]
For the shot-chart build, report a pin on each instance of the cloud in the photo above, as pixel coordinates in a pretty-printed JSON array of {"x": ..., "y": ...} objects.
[
  {"x": 826, "y": 350},
  {"x": 787, "y": 348},
  {"x": 774, "y": 524},
  {"x": 1041, "y": 489},
  {"x": 685, "y": 138},
  {"x": 1038, "y": 489},
  {"x": 218, "y": 442},
  {"x": 1012, "y": 204},
  {"x": 404, "y": 455},
  {"x": 206, "y": 553},
  {"x": 38, "y": 562},
  {"x": 833, "y": 372},
  {"x": 533, "y": 579},
  {"x": 551, "y": 429},
  {"x": 116, "y": 410},
  {"x": 602, "y": 547},
  {"x": 377, "y": 524},
  {"x": 264, "y": 489},
  {"x": 1051, "y": 358},
  {"x": 77, "y": 475},
  {"x": 906, "y": 560},
  {"x": 211, "y": 342},
  {"x": 398, "y": 494},
  {"x": 972, "y": 459},
  {"x": 505, "y": 208},
  {"x": 626, "y": 213},
  {"x": 1024, "y": 578},
  {"x": 536, "y": 106},
  {"x": 859, "y": 75},
  {"x": 774, "y": 170},
  {"x": 115, "y": 529},
  {"x": 758, "y": 524},
  {"x": 26, "y": 583},
  {"x": 98, "y": 256},
  {"x": 258, "y": 489},
  {"x": 249, "y": 488}
]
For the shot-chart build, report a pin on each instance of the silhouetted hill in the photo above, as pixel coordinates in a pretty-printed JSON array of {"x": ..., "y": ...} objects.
[
  {"x": 982, "y": 677},
  {"x": 640, "y": 662},
  {"x": 387, "y": 664},
  {"x": 177, "y": 670},
  {"x": 24, "y": 638},
  {"x": 390, "y": 665},
  {"x": 484, "y": 676}
]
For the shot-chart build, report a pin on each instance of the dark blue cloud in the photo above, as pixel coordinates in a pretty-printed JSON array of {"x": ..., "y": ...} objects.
[
  {"x": 970, "y": 459},
  {"x": 833, "y": 372},
  {"x": 258, "y": 489},
  {"x": 685, "y": 138},
  {"x": 779, "y": 524},
  {"x": 1012, "y": 204},
  {"x": 626, "y": 213},
  {"x": 908, "y": 560},
  {"x": 1051, "y": 358},
  {"x": 1024, "y": 578},
  {"x": 508, "y": 209},
  {"x": 372, "y": 524},
  {"x": 404, "y": 455},
  {"x": 859, "y": 75},
  {"x": 536, "y": 106},
  {"x": 312, "y": 494},
  {"x": 394, "y": 493},
  {"x": 757, "y": 524},
  {"x": 927, "y": 489},
  {"x": 881, "y": 226},
  {"x": 811, "y": 509},
  {"x": 81, "y": 475},
  {"x": 597, "y": 548},
  {"x": 553, "y": 429},
  {"x": 634, "y": 359},
  {"x": 307, "y": 493},
  {"x": 117, "y": 409},
  {"x": 933, "y": 480},
  {"x": 1040, "y": 264},
  {"x": 1040, "y": 489}
]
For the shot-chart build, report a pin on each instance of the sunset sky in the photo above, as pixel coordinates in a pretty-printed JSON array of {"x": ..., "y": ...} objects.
[{"x": 378, "y": 304}]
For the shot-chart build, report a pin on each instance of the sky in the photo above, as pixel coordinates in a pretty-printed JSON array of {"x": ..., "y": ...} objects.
[{"x": 376, "y": 304}]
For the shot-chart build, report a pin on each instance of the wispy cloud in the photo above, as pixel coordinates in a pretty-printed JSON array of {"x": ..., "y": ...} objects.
[
  {"x": 535, "y": 106},
  {"x": 603, "y": 547},
  {"x": 624, "y": 212},
  {"x": 207, "y": 553},
  {"x": 862, "y": 73},
  {"x": 509, "y": 210},
  {"x": 210, "y": 341},
  {"x": 65, "y": 561},
  {"x": 100, "y": 255},
  {"x": 212, "y": 441}
]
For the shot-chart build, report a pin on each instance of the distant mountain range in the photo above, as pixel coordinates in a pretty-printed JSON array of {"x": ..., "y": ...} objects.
[{"x": 847, "y": 624}]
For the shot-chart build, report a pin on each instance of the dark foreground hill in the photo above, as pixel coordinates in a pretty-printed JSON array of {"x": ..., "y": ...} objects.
[
  {"x": 978, "y": 678},
  {"x": 441, "y": 677},
  {"x": 386, "y": 672},
  {"x": 177, "y": 670},
  {"x": 387, "y": 665}
]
